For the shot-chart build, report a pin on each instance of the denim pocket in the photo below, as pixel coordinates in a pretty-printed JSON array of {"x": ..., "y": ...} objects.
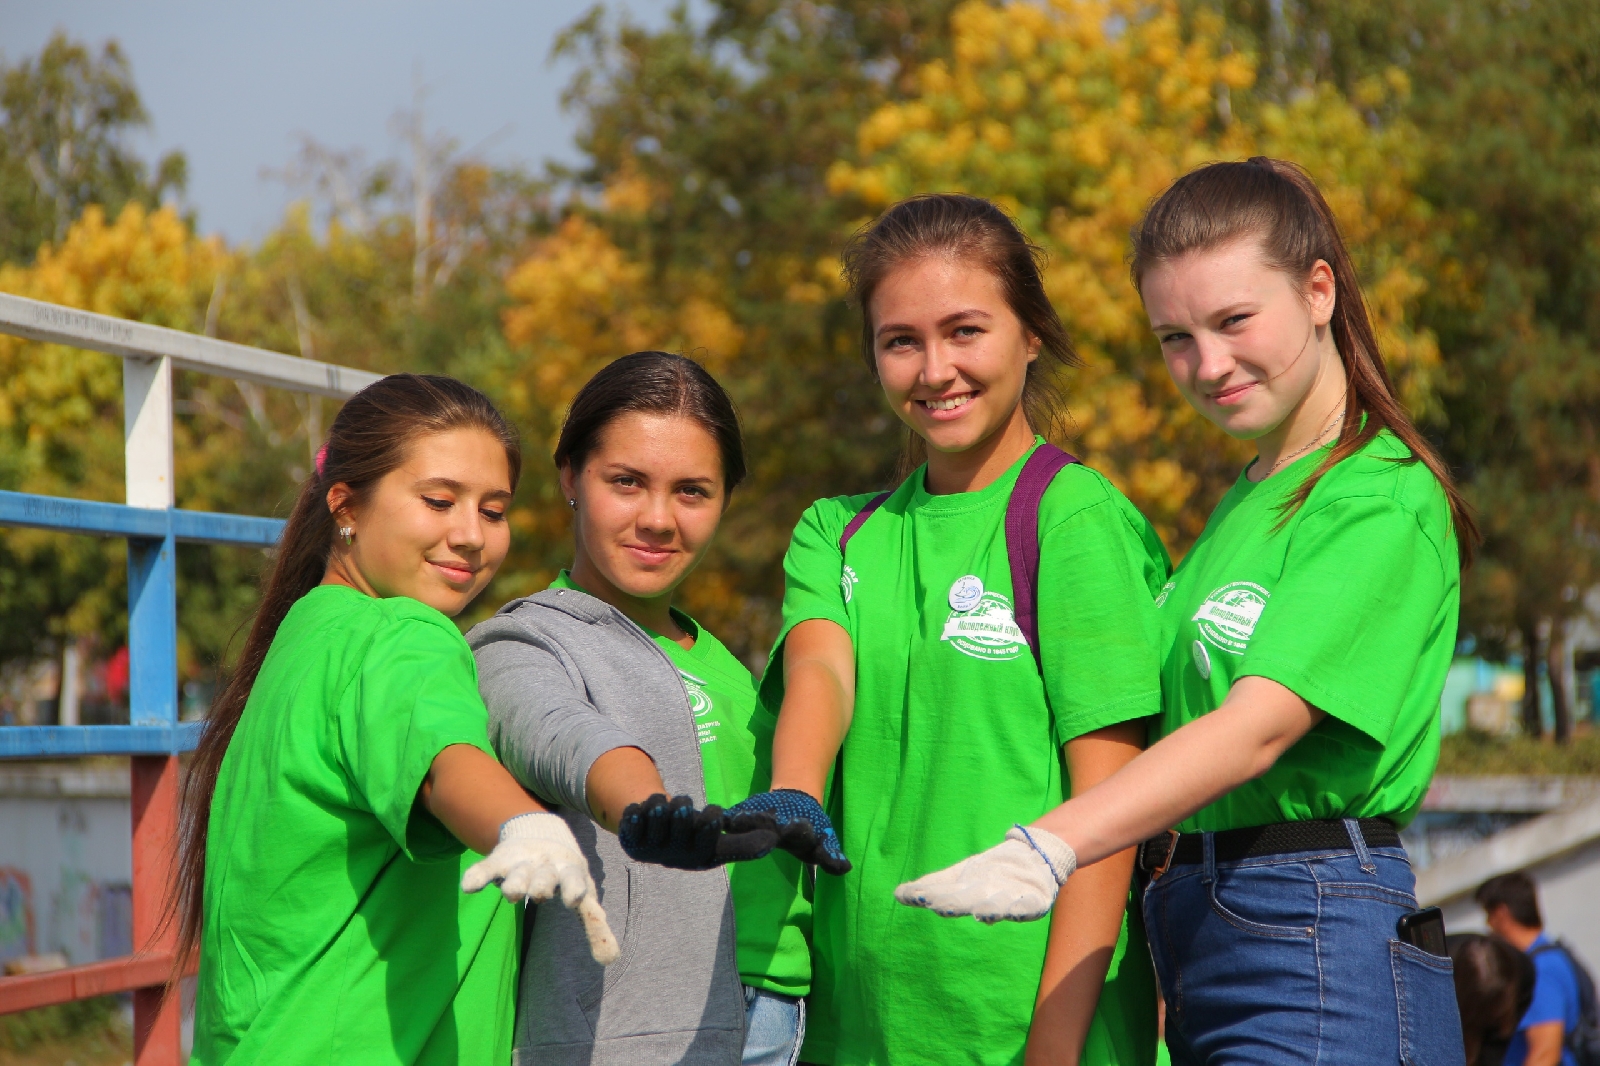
[
  {"x": 1425, "y": 991},
  {"x": 1280, "y": 899}
]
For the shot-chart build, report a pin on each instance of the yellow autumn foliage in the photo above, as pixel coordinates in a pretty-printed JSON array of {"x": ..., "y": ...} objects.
[
  {"x": 62, "y": 402},
  {"x": 1074, "y": 115},
  {"x": 579, "y": 302},
  {"x": 61, "y": 415}
]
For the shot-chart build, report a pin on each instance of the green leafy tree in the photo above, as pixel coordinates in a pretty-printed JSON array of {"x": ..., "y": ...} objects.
[
  {"x": 64, "y": 118},
  {"x": 704, "y": 222},
  {"x": 1512, "y": 103}
]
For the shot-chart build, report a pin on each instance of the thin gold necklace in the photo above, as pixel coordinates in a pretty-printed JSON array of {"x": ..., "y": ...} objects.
[{"x": 1315, "y": 442}]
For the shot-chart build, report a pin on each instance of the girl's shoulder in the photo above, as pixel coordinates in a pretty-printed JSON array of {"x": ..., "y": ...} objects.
[
  {"x": 825, "y": 520},
  {"x": 1090, "y": 503},
  {"x": 838, "y": 510},
  {"x": 1385, "y": 469},
  {"x": 1080, "y": 491},
  {"x": 329, "y": 612}
]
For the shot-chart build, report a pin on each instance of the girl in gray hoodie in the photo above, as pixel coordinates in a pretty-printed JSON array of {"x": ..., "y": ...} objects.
[{"x": 602, "y": 695}]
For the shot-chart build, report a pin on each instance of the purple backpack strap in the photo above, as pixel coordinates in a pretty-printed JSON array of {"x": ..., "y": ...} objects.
[
  {"x": 860, "y": 518},
  {"x": 1022, "y": 537}
]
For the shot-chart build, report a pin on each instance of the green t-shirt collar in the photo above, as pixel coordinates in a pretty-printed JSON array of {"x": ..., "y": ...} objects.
[{"x": 954, "y": 502}]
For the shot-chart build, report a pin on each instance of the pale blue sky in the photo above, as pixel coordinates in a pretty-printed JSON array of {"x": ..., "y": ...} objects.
[{"x": 234, "y": 84}]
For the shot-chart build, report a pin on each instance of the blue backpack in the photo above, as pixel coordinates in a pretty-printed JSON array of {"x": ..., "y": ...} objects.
[
  {"x": 1584, "y": 1041},
  {"x": 1022, "y": 536}
]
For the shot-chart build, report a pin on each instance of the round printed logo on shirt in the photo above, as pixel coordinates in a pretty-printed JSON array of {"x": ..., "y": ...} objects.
[
  {"x": 987, "y": 630},
  {"x": 847, "y": 582},
  {"x": 699, "y": 700},
  {"x": 1166, "y": 590},
  {"x": 1228, "y": 616},
  {"x": 966, "y": 593}
]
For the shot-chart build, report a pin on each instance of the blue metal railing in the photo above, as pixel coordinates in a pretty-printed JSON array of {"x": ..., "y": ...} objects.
[
  {"x": 153, "y": 527},
  {"x": 152, "y": 535}
]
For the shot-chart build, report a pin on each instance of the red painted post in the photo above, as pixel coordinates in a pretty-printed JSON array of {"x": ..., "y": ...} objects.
[{"x": 157, "y": 1039}]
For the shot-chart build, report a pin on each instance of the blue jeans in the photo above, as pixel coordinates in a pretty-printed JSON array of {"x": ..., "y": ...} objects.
[
  {"x": 774, "y": 1028},
  {"x": 1292, "y": 959}
]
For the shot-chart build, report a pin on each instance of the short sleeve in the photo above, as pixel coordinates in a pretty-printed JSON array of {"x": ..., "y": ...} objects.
[
  {"x": 1098, "y": 627},
  {"x": 813, "y": 569},
  {"x": 1555, "y": 993},
  {"x": 416, "y": 694},
  {"x": 1363, "y": 593}
]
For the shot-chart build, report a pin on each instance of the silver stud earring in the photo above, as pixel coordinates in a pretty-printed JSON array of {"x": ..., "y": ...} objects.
[
  {"x": 348, "y": 533},
  {"x": 572, "y": 504}
]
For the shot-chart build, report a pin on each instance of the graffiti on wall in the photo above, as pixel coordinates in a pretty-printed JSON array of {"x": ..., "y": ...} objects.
[{"x": 16, "y": 914}]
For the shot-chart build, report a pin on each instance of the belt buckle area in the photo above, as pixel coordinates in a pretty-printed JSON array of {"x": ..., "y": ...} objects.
[{"x": 1166, "y": 861}]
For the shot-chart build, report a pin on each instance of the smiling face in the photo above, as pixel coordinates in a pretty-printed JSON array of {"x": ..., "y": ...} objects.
[
  {"x": 951, "y": 354},
  {"x": 1246, "y": 343},
  {"x": 648, "y": 500},
  {"x": 434, "y": 528}
]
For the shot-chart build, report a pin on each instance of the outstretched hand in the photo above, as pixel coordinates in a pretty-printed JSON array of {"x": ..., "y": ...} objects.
[
  {"x": 537, "y": 857},
  {"x": 675, "y": 833},
  {"x": 1017, "y": 880},
  {"x": 801, "y": 826}
]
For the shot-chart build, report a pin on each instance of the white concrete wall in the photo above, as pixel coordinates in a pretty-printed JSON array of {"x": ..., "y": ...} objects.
[
  {"x": 1569, "y": 898},
  {"x": 65, "y": 863}
]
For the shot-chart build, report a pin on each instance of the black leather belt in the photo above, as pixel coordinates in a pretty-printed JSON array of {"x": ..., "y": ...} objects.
[{"x": 1179, "y": 849}]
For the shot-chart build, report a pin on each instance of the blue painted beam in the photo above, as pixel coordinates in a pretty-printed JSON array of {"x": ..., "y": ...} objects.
[
  {"x": 153, "y": 536},
  {"x": 68, "y": 741},
  {"x": 118, "y": 520},
  {"x": 207, "y": 527},
  {"x": 81, "y": 516},
  {"x": 152, "y": 631}
]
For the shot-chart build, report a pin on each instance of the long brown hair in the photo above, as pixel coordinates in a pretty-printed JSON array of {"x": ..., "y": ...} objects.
[
  {"x": 1278, "y": 203},
  {"x": 370, "y": 437},
  {"x": 972, "y": 230}
]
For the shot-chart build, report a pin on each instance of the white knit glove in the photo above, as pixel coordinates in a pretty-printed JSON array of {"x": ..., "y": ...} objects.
[
  {"x": 536, "y": 857},
  {"x": 1015, "y": 881}
]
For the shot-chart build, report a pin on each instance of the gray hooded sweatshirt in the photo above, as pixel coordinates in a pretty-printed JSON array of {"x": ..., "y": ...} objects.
[{"x": 568, "y": 678}]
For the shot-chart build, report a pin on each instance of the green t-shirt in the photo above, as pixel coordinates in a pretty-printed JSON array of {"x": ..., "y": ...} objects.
[
  {"x": 772, "y": 916},
  {"x": 954, "y": 738},
  {"x": 1351, "y": 605},
  {"x": 335, "y": 927}
]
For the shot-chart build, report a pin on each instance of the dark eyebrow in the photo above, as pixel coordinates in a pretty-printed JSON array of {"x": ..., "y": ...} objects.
[
  {"x": 624, "y": 468},
  {"x": 452, "y": 485},
  {"x": 955, "y": 316}
]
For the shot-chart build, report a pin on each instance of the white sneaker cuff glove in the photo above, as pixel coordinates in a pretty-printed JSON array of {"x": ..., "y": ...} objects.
[
  {"x": 1017, "y": 880},
  {"x": 537, "y": 857}
]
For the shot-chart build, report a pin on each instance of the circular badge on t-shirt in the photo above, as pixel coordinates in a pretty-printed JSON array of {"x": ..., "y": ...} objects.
[
  {"x": 965, "y": 593},
  {"x": 1202, "y": 661}
]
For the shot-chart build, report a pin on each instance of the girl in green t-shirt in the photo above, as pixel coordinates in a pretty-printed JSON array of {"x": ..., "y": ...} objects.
[
  {"x": 604, "y": 698},
  {"x": 912, "y": 703},
  {"x": 347, "y": 763},
  {"x": 1305, "y": 640}
]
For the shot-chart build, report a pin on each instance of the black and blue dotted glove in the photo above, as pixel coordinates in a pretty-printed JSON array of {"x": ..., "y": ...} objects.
[
  {"x": 677, "y": 834},
  {"x": 802, "y": 827}
]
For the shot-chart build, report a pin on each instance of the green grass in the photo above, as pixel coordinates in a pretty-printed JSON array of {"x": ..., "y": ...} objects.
[
  {"x": 1479, "y": 753},
  {"x": 94, "y": 1020}
]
